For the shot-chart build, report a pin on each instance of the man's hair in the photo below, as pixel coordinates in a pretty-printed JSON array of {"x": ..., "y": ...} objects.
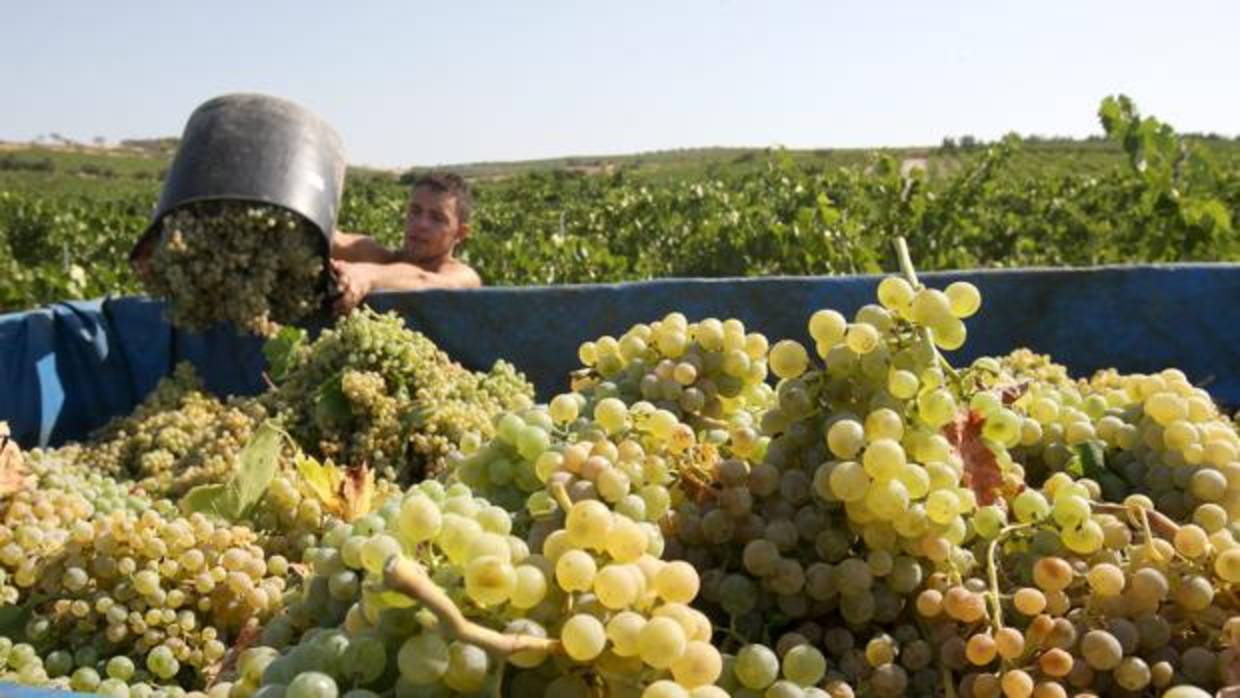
[{"x": 448, "y": 183}]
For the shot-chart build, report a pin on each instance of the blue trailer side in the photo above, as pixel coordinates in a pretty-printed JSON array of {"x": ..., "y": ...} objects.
[{"x": 68, "y": 368}]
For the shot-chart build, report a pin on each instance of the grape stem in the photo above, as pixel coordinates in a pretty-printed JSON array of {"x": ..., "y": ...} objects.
[
  {"x": 710, "y": 423},
  {"x": 910, "y": 275},
  {"x": 1151, "y": 520},
  {"x": 408, "y": 577},
  {"x": 992, "y": 570}
]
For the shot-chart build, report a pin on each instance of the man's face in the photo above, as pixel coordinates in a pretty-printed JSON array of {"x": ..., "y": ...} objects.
[{"x": 432, "y": 228}]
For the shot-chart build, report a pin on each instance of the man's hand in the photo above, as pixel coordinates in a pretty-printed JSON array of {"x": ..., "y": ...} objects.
[{"x": 354, "y": 283}]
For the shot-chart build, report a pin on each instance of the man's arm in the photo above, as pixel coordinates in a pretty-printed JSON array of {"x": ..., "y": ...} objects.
[
  {"x": 359, "y": 279},
  {"x": 352, "y": 247}
]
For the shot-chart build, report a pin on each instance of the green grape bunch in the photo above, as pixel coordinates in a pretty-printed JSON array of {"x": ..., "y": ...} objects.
[
  {"x": 118, "y": 586},
  {"x": 706, "y": 372},
  {"x": 180, "y": 436},
  {"x": 371, "y": 391},
  {"x": 253, "y": 265}
]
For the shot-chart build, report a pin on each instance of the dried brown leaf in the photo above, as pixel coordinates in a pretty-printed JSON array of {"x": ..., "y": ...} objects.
[
  {"x": 981, "y": 470},
  {"x": 246, "y": 638},
  {"x": 356, "y": 493},
  {"x": 699, "y": 472},
  {"x": 1012, "y": 391}
]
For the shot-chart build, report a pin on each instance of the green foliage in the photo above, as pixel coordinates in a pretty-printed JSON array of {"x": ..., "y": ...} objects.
[
  {"x": 1088, "y": 460},
  {"x": 13, "y": 619},
  {"x": 62, "y": 247},
  {"x": 1144, "y": 195}
]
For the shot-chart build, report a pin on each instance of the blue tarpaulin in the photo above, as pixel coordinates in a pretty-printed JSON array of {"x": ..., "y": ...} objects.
[{"x": 68, "y": 368}]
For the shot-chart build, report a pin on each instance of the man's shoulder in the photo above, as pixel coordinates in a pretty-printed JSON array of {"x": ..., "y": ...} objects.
[{"x": 465, "y": 275}]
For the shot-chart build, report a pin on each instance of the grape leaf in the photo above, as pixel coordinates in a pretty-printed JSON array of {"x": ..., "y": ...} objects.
[
  {"x": 322, "y": 479},
  {"x": 1208, "y": 213},
  {"x": 280, "y": 350},
  {"x": 205, "y": 499},
  {"x": 330, "y": 402},
  {"x": 13, "y": 620},
  {"x": 1012, "y": 392},
  {"x": 981, "y": 470},
  {"x": 418, "y": 415},
  {"x": 699, "y": 472},
  {"x": 256, "y": 467},
  {"x": 1088, "y": 460}
]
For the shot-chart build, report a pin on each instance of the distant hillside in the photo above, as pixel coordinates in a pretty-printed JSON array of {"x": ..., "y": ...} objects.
[
  {"x": 156, "y": 147},
  {"x": 143, "y": 162}
]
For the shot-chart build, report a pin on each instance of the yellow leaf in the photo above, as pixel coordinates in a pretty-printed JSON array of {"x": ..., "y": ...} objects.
[
  {"x": 321, "y": 479},
  {"x": 344, "y": 492},
  {"x": 12, "y": 467}
]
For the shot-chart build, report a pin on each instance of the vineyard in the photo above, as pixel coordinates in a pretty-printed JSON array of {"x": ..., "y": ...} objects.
[{"x": 1154, "y": 197}]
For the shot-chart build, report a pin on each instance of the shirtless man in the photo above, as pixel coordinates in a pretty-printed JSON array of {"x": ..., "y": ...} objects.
[{"x": 436, "y": 222}]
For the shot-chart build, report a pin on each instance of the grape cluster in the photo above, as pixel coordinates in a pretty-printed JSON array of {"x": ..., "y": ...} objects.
[
  {"x": 678, "y": 378},
  {"x": 871, "y": 529},
  {"x": 886, "y": 472},
  {"x": 504, "y": 469},
  {"x": 1152, "y": 434},
  {"x": 180, "y": 436},
  {"x": 111, "y": 579},
  {"x": 857, "y": 442},
  {"x": 702, "y": 372},
  {"x": 372, "y": 392},
  {"x": 1130, "y": 617},
  {"x": 585, "y": 573},
  {"x": 254, "y": 265}
]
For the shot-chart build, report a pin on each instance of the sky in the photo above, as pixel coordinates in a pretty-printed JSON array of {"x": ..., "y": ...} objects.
[{"x": 427, "y": 83}]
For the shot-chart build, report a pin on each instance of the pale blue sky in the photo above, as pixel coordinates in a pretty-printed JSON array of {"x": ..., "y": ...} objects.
[{"x": 447, "y": 82}]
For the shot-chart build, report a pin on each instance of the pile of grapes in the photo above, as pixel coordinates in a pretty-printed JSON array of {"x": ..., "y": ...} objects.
[
  {"x": 703, "y": 514},
  {"x": 254, "y": 265},
  {"x": 179, "y": 437},
  {"x": 372, "y": 392}
]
